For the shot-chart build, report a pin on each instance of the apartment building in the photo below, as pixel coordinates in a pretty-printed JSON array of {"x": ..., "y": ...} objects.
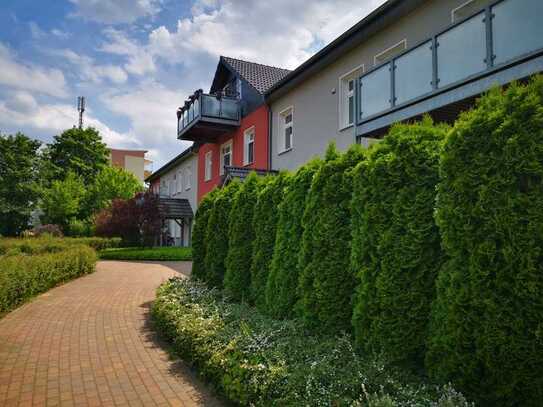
[
  {"x": 133, "y": 161},
  {"x": 176, "y": 184},
  {"x": 405, "y": 59},
  {"x": 229, "y": 125}
]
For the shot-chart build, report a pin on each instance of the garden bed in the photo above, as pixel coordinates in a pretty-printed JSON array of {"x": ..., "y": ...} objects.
[
  {"x": 138, "y": 253},
  {"x": 256, "y": 360}
]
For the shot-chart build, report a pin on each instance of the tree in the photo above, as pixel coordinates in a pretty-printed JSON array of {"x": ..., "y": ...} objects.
[
  {"x": 396, "y": 248},
  {"x": 19, "y": 190},
  {"x": 111, "y": 183},
  {"x": 265, "y": 224},
  {"x": 80, "y": 151},
  {"x": 281, "y": 287},
  {"x": 217, "y": 235},
  {"x": 486, "y": 334},
  {"x": 326, "y": 282},
  {"x": 61, "y": 203},
  {"x": 199, "y": 235},
  {"x": 237, "y": 279}
]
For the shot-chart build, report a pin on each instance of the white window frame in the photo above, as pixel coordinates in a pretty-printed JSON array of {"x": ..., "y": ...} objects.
[
  {"x": 231, "y": 153},
  {"x": 377, "y": 58},
  {"x": 345, "y": 94},
  {"x": 179, "y": 181},
  {"x": 246, "y": 141},
  {"x": 188, "y": 176},
  {"x": 208, "y": 165},
  {"x": 455, "y": 10},
  {"x": 283, "y": 126},
  {"x": 173, "y": 185}
]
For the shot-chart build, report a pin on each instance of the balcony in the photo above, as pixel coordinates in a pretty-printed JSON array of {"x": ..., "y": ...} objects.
[
  {"x": 501, "y": 43},
  {"x": 205, "y": 117}
]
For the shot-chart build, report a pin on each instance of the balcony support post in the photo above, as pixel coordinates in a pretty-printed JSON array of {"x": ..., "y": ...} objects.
[
  {"x": 489, "y": 43},
  {"x": 435, "y": 77}
]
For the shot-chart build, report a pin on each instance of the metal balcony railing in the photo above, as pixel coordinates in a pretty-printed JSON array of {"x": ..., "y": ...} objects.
[
  {"x": 213, "y": 107},
  {"x": 503, "y": 32}
]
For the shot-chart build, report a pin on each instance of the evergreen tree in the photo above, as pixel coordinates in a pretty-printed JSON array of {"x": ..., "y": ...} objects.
[{"x": 199, "y": 235}]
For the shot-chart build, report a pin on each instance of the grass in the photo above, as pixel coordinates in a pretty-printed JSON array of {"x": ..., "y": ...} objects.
[{"x": 139, "y": 253}]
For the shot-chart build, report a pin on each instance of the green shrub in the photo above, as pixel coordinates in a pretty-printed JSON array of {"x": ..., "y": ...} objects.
[
  {"x": 326, "y": 282},
  {"x": 49, "y": 244},
  {"x": 396, "y": 248},
  {"x": 486, "y": 332},
  {"x": 265, "y": 224},
  {"x": 237, "y": 279},
  {"x": 142, "y": 253},
  {"x": 255, "y": 360},
  {"x": 199, "y": 238},
  {"x": 23, "y": 276},
  {"x": 217, "y": 235},
  {"x": 281, "y": 287}
]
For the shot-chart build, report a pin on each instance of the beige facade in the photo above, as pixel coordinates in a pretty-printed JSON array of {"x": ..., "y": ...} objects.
[{"x": 318, "y": 103}]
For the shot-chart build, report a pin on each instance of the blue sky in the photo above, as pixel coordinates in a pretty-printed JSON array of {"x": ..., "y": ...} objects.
[{"x": 137, "y": 60}]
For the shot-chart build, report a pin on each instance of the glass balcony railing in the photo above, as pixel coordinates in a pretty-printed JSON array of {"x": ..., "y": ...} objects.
[
  {"x": 504, "y": 31},
  {"x": 202, "y": 106}
]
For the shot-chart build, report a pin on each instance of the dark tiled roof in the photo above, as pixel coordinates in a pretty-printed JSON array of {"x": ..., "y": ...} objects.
[
  {"x": 261, "y": 77},
  {"x": 242, "y": 173},
  {"x": 174, "y": 208},
  {"x": 173, "y": 162}
]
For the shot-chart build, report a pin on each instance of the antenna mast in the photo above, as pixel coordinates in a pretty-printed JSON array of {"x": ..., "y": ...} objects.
[{"x": 81, "y": 109}]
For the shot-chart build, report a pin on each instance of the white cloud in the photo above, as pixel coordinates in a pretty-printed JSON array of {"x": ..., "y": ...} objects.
[
  {"x": 139, "y": 60},
  {"x": 115, "y": 11},
  {"x": 60, "y": 34},
  {"x": 89, "y": 70},
  {"x": 18, "y": 75},
  {"x": 35, "y": 30}
]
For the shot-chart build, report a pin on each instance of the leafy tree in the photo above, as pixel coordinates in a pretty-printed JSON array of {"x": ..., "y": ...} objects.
[
  {"x": 217, "y": 235},
  {"x": 61, "y": 203},
  {"x": 18, "y": 187},
  {"x": 237, "y": 279},
  {"x": 486, "y": 333},
  {"x": 111, "y": 183},
  {"x": 80, "y": 151},
  {"x": 326, "y": 282},
  {"x": 265, "y": 224},
  {"x": 281, "y": 287},
  {"x": 199, "y": 235},
  {"x": 396, "y": 250}
]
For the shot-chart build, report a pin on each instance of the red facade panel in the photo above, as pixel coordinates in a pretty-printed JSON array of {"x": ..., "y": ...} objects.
[{"x": 258, "y": 119}]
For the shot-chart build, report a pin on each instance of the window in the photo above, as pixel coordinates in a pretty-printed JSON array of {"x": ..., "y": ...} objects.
[
  {"x": 287, "y": 128},
  {"x": 179, "y": 181},
  {"x": 208, "y": 164},
  {"x": 172, "y": 186},
  {"x": 467, "y": 9},
  {"x": 226, "y": 156},
  {"x": 249, "y": 146},
  {"x": 188, "y": 176},
  {"x": 390, "y": 52},
  {"x": 346, "y": 97}
]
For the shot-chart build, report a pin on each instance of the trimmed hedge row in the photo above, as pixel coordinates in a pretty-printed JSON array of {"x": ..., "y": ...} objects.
[
  {"x": 145, "y": 253},
  {"x": 441, "y": 231},
  {"x": 257, "y": 361},
  {"x": 48, "y": 244},
  {"x": 396, "y": 246},
  {"x": 23, "y": 276},
  {"x": 487, "y": 325}
]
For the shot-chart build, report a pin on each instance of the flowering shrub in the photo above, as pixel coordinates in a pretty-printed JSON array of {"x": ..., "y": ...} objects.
[{"x": 259, "y": 361}]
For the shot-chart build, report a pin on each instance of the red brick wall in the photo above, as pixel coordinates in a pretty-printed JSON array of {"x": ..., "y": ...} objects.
[{"x": 258, "y": 119}]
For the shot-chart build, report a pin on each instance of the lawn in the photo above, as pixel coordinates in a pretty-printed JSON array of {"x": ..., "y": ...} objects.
[{"x": 139, "y": 253}]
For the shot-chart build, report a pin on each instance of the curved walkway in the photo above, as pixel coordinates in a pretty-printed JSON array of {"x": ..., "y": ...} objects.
[{"x": 88, "y": 343}]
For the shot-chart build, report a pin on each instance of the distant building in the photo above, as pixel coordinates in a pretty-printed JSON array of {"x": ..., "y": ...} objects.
[{"x": 133, "y": 161}]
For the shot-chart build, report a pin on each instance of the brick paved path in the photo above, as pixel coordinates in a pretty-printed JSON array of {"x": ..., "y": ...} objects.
[{"x": 88, "y": 343}]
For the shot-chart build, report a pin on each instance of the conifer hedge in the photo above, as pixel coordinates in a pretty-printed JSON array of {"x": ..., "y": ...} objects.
[
  {"x": 217, "y": 235},
  {"x": 326, "y": 282},
  {"x": 487, "y": 331},
  {"x": 281, "y": 287},
  {"x": 199, "y": 239},
  {"x": 237, "y": 279},
  {"x": 396, "y": 251},
  {"x": 264, "y": 225}
]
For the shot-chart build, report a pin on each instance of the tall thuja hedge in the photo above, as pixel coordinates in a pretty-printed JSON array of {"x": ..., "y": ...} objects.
[
  {"x": 217, "y": 235},
  {"x": 199, "y": 232},
  {"x": 237, "y": 279},
  {"x": 326, "y": 282},
  {"x": 281, "y": 287},
  {"x": 396, "y": 245},
  {"x": 487, "y": 325},
  {"x": 265, "y": 224}
]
